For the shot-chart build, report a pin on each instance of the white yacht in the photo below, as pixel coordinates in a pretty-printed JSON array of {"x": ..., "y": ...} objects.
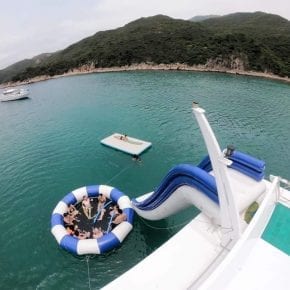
[
  {"x": 13, "y": 94},
  {"x": 240, "y": 239}
]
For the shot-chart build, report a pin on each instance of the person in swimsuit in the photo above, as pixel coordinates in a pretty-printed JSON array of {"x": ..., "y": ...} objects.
[
  {"x": 86, "y": 204},
  {"x": 120, "y": 217},
  {"x": 114, "y": 210},
  {"x": 136, "y": 157},
  {"x": 97, "y": 233},
  {"x": 82, "y": 235},
  {"x": 70, "y": 230},
  {"x": 72, "y": 210},
  {"x": 69, "y": 219},
  {"x": 124, "y": 137},
  {"x": 101, "y": 203}
]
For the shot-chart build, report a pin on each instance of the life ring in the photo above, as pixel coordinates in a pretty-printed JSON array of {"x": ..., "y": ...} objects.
[{"x": 109, "y": 240}]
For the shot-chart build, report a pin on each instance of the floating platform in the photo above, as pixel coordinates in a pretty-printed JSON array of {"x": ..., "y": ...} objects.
[
  {"x": 109, "y": 238},
  {"x": 126, "y": 144}
]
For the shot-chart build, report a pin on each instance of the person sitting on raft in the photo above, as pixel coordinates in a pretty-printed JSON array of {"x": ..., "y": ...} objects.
[
  {"x": 101, "y": 206},
  {"x": 114, "y": 210},
  {"x": 87, "y": 208},
  {"x": 68, "y": 219},
  {"x": 70, "y": 230},
  {"x": 82, "y": 235},
  {"x": 124, "y": 137},
  {"x": 97, "y": 233},
  {"x": 120, "y": 217},
  {"x": 72, "y": 210}
]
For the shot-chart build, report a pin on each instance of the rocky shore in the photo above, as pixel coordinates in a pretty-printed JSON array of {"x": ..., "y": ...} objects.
[{"x": 86, "y": 69}]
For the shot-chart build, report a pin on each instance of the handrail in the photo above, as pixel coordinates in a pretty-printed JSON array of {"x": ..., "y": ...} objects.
[{"x": 254, "y": 230}]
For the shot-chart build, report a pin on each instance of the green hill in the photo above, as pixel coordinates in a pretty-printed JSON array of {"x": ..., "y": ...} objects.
[
  {"x": 270, "y": 34},
  {"x": 21, "y": 66},
  {"x": 249, "y": 41},
  {"x": 258, "y": 24}
]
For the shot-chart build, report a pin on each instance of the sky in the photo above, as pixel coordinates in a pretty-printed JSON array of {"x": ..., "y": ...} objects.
[{"x": 32, "y": 27}]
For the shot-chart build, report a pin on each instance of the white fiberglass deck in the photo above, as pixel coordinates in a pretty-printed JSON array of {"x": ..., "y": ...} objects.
[
  {"x": 177, "y": 263},
  {"x": 126, "y": 144},
  {"x": 258, "y": 265}
]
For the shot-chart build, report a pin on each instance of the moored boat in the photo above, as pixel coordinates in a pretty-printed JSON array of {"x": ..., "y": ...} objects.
[{"x": 13, "y": 94}]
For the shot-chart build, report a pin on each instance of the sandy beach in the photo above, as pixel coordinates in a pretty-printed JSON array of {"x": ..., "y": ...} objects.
[{"x": 87, "y": 69}]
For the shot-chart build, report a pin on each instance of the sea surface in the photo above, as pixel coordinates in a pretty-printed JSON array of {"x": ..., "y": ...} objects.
[{"x": 50, "y": 145}]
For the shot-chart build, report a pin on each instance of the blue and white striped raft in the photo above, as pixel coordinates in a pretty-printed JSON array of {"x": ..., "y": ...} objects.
[
  {"x": 108, "y": 241},
  {"x": 128, "y": 145}
]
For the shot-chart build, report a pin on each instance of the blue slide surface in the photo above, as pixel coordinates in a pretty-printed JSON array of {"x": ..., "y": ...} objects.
[
  {"x": 242, "y": 162},
  {"x": 199, "y": 178},
  {"x": 182, "y": 174}
]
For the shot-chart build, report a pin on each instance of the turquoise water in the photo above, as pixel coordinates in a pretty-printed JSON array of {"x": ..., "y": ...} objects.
[
  {"x": 277, "y": 231},
  {"x": 50, "y": 145}
]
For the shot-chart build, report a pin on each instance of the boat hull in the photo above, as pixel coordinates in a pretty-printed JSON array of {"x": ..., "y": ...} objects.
[
  {"x": 14, "y": 94},
  {"x": 14, "y": 99}
]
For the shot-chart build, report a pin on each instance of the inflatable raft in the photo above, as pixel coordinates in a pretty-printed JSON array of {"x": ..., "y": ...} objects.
[
  {"x": 111, "y": 238},
  {"x": 126, "y": 144}
]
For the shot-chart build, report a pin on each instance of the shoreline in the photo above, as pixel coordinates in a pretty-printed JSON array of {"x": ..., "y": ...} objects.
[{"x": 85, "y": 69}]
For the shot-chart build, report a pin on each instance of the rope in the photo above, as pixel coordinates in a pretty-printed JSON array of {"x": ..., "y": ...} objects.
[
  {"x": 122, "y": 171},
  {"x": 110, "y": 222},
  {"x": 98, "y": 213},
  {"x": 165, "y": 228},
  {"x": 88, "y": 267},
  {"x": 107, "y": 182}
]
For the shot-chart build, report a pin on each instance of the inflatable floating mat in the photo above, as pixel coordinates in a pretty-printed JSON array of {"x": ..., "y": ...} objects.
[{"x": 126, "y": 144}]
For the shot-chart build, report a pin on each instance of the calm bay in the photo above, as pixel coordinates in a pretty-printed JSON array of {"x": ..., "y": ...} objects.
[{"x": 50, "y": 145}]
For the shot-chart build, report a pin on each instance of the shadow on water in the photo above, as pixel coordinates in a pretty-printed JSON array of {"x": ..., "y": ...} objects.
[{"x": 155, "y": 233}]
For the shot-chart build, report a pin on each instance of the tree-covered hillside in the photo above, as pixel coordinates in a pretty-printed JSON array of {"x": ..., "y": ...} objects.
[
  {"x": 21, "y": 66},
  {"x": 271, "y": 34},
  {"x": 249, "y": 41},
  {"x": 258, "y": 24}
]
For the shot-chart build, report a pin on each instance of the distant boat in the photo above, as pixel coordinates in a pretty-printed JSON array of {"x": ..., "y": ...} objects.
[{"x": 14, "y": 94}]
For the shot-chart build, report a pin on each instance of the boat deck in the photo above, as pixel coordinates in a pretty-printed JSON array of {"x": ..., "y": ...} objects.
[
  {"x": 178, "y": 262},
  {"x": 126, "y": 144},
  {"x": 252, "y": 268}
]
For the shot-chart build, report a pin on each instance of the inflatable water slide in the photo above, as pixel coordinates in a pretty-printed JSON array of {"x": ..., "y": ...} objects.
[{"x": 186, "y": 185}]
